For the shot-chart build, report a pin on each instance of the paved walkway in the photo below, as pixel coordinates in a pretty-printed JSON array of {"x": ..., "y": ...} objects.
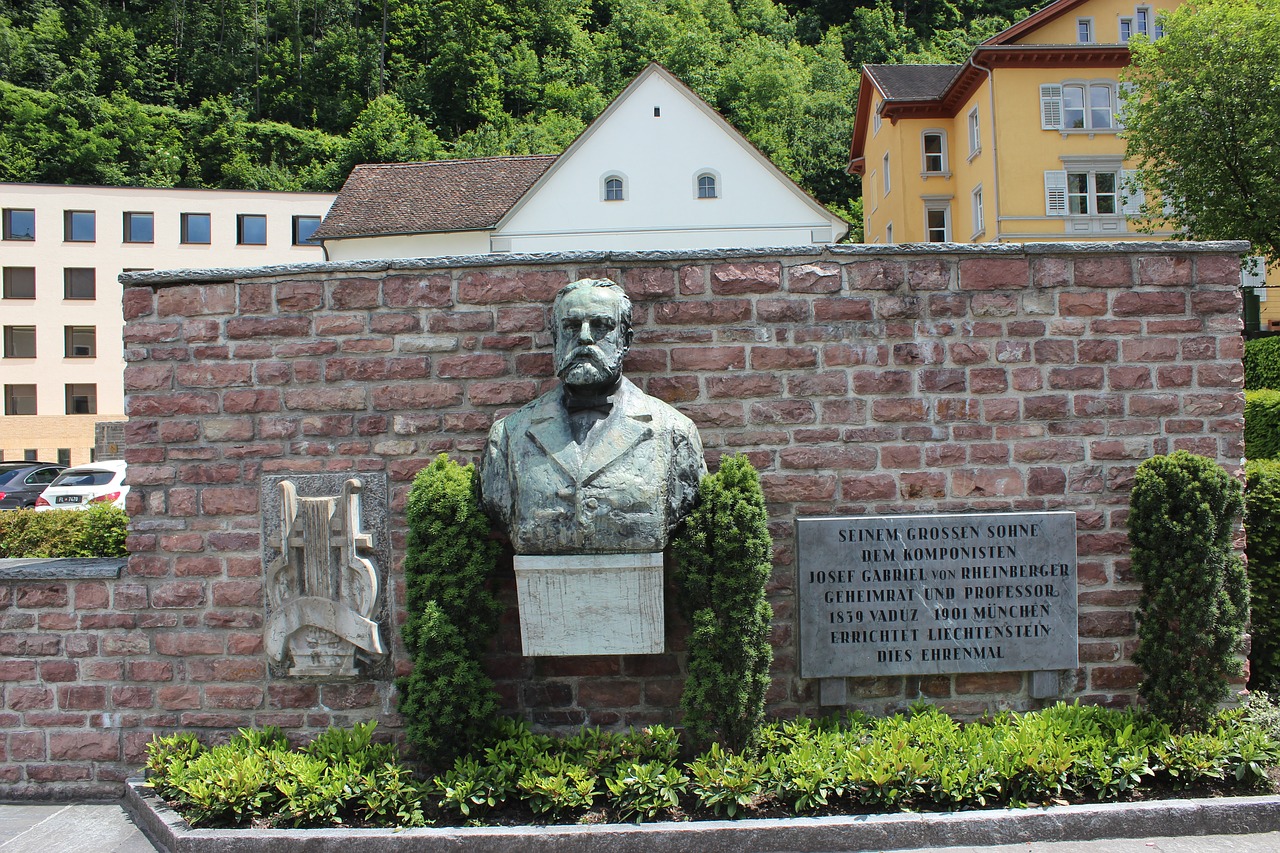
[
  {"x": 69, "y": 828},
  {"x": 107, "y": 828}
]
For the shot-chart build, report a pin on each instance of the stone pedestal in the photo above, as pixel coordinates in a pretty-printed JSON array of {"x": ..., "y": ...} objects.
[{"x": 600, "y": 604}]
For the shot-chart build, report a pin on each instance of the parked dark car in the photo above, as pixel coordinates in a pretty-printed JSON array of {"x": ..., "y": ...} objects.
[{"x": 22, "y": 482}]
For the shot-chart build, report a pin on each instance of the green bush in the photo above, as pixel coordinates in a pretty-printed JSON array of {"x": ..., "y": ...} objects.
[
  {"x": 448, "y": 702},
  {"x": 96, "y": 532},
  {"x": 919, "y": 761},
  {"x": 724, "y": 556},
  {"x": 1262, "y": 363},
  {"x": 1195, "y": 594},
  {"x": 1262, "y": 529},
  {"x": 1262, "y": 424}
]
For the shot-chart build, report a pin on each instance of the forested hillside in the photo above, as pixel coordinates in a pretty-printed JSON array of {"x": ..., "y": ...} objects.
[{"x": 289, "y": 94}]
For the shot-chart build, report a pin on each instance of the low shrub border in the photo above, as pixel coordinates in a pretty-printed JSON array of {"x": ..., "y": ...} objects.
[
  {"x": 855, "y": 765},
  {"x": 95, "y": 532}
]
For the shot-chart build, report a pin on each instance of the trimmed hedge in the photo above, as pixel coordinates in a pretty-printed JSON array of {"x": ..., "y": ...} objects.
[
  {"x": 95, "y": 532},
  {"x": 1262, "y": 424},
  {"x": 1262, "y": 363},
  {"x": 922, "y": 761},
  {"x": 1262, "y": 526},
  {"x": 1195, "y": 593}
]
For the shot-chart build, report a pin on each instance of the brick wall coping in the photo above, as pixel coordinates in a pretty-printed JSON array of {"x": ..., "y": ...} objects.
[
  {"x": 222, "y": 274},
  {"x": 61, "y": 568}
]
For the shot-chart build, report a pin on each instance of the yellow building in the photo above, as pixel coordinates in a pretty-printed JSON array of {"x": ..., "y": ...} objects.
[{"x": 1020, "y": 143}]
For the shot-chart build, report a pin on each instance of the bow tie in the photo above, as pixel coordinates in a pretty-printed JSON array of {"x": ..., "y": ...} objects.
[{"x": 601, "y": 403}]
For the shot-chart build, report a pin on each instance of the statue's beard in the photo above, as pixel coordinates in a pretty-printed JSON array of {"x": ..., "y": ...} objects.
[{"x": 588, "y": 367}]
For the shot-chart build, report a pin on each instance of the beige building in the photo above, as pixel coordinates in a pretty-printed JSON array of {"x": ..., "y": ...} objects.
[{"x": 62, "y": 250}]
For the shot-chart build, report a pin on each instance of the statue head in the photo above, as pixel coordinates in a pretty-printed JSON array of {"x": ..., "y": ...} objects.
[{"x": 591, "y": 328}]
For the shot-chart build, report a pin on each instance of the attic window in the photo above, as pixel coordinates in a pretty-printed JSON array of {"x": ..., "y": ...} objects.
[
  {"x": 707, "y": 184},
  {"x": 614, "y": 188},
  {"x": 657, "y": 111}
]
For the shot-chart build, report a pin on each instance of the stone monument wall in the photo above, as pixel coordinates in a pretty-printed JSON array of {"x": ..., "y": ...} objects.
[{"x": 859, "y": 380}]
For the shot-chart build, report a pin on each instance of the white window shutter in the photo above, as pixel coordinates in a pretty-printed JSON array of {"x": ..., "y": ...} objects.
[
  {"x": 1051, "y": 107},
  {"x": 1055, "y": 193},
  {"x": 1131, "y": 192}
]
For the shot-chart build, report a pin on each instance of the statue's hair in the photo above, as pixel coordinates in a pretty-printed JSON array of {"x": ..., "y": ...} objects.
[{"x": 624, "y": 313}]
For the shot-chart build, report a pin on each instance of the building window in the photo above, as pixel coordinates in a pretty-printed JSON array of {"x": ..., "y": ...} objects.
[
  {"x": 195, "y": 228},
  {"x": 1077, "y": 106},
  {"x": 1126, "y": 30},
  {"x": 707, "y": 186},
  {"x": 979, "y": 215},
  {"x": 139, "y": 228},
  {"x": 934, "y": 146},
  {"x": 1092, "y": 190},
  {"x": 19, "y": 224},
  {"x": 251, "y": 229},
  {"x": 884, "y": 172},
  {"x": 614, "y": 189},
  {"x": 975, "y": 137},
  {"x": 82, "y": 399},
  {"x": 303, "y": 228},
  {"x": 937, "y": 223},
  {"x": 30, "y": 455},
  {"x": 19, "y": 341},
  {"x": 79, "y": 283},
  {"x": 19, "y": 282},
  {"x": 1091, "y": 193},
  {"x": 1142, "y": 20},
  {"x": 79, "y": 226},
  {"x": 81, "y": 341},
  {"x": 19, "y": 399},
  {"x": 875, "y": 120},
  {"x": 888, "y": 233},
  {"x": 1084, "y": 30},
  {"x": 64, "y": 456}
]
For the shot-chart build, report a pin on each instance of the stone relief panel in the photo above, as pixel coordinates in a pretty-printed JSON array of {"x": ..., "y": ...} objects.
[{"x": 326, "y": 552}]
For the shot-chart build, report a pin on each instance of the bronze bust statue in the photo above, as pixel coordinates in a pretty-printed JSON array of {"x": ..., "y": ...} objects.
[{"x": 595, "y": 466}]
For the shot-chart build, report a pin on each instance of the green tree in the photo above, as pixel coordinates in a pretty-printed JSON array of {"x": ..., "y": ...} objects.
[{"x": 1203, "y": 122}]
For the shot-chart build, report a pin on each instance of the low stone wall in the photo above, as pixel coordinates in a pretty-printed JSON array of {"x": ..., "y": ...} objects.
[{"x": 859, "y": 380}]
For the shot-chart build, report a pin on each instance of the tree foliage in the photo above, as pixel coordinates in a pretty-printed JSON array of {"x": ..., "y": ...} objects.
[
  {"x": 724, "y": 556},
  {"x": 291, "y": 93},
  {"x": 448, "y": 702},
  {"x": 1262, "y": 526},
  {"x": 1195, "y": 595},
  {"x": 1203, "y": 121}
]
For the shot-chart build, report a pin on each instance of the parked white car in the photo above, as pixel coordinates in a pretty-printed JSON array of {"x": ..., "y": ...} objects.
[{"x": 84, "y": 486}]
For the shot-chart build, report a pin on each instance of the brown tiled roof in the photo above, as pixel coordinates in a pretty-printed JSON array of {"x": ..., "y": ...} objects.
[
  {"x": 442, "y": 195},
  {"x": 913, "y": 82}
]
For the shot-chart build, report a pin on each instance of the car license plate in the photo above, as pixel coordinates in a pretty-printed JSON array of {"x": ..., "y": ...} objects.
[{"x": 67, "y": 499}]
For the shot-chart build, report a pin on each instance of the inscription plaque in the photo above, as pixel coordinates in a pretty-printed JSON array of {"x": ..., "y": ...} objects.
[{"x": 937, "y": 594}]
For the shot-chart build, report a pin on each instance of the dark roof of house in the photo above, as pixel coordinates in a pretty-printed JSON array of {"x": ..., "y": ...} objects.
[
  {"x": 912, "y": 82},
  {"x": 441, "y": 195}
]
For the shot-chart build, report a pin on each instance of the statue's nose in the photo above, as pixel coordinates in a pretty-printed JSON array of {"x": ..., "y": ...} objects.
[{"x": 584, "y": 332}]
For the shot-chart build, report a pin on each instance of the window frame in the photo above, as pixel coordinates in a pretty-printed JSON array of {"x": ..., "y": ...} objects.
[
  {"x": 242, "y": 220},
  {"x": 11, "y": 399},
  {"x": 10, "y": 341},
  {"x": 1085, "y": 27},
  {"x": 1054, "y": 109},
  {"x": 184, "y": 225},
  {"x": 888, "y": 233},
  {"x": 90, "y": 397},
  {"x": 943, "y": 170},
  {"x": 699, "y": 188},
  {"x": 68, "y": 286},
  {"x": 974, "y": 127},
  {"x": 6, "y": 283},
  {"x": 938, "y": 205},
  {"x": 884, "y": 174},
  {"x": 70, "y": 218},
  {"x": 300, "y": 217},
  {"x": 979, "y": 211},
  {"x": 7, "y": 217},
  {"x": 68, "y": 341},
  {"x": 128, "y": 226},
  {"x": 607, "y": 192}
]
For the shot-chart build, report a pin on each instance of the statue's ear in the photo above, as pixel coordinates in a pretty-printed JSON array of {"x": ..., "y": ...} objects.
[{"x": 627, "y": 336}]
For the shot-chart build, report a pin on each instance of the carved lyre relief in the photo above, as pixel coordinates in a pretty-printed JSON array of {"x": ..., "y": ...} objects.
[{"x": 322, "y": 592}]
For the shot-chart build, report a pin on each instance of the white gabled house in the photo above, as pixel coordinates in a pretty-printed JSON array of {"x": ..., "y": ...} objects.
[{"x": 659, "y": 169}]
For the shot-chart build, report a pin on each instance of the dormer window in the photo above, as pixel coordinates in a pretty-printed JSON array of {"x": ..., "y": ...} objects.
[
  {"x": 614, "y": 188},
  {"x": 707, "y": 186}
]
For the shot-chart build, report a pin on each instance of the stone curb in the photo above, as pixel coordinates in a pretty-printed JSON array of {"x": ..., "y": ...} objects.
[
  {"x": 61, "y": 568},
  {"x": 1238, "y": 815}
]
